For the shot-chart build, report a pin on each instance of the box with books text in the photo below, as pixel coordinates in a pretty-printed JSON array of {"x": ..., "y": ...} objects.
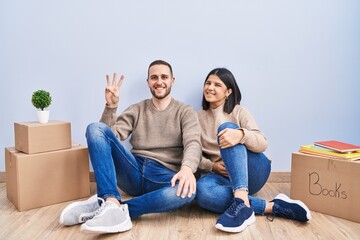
[{"x": 326, "y": 185}]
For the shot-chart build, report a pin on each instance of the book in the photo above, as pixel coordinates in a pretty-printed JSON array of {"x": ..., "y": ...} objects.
[
  {"x": 325, "y": 152},
  {"x": 338, "y": 146}
]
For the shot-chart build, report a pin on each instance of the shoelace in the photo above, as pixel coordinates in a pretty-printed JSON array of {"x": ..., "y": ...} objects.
[
  {"x": 270, "y": 217},
  {"x": 91, "y": 215},
  {"x": 234, "y": 208},
  {"x": 101, "y": 209},
  {"x": 286, "y": 213}
]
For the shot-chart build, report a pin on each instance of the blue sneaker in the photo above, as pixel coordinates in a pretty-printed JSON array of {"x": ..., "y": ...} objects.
[
  {"x": 291, "y": 209},
  {"x": 236, "y": 218}
]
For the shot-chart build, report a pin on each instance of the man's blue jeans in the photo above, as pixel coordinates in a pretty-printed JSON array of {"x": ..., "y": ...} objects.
[
  {"x": 246, "y": 169},
  {"x": 115, "y": 166}
]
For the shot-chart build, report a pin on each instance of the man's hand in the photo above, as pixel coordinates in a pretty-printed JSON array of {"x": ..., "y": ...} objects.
[
  {"x": 219, "y": 168},
  {"x": 112, "y": 90},
  {"x": 230, "y": 137},
  {"x": 187, "y": 182}
]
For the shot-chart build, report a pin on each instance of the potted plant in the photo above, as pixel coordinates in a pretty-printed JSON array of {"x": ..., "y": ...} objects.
[{"x": 41, "y": 99}]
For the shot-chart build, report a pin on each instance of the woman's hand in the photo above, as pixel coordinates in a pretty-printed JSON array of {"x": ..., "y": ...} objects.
[
  {"x": 112, "y": 90},
  {"x": 230, "y": 137},
  {"x": 219, "y": 168}
]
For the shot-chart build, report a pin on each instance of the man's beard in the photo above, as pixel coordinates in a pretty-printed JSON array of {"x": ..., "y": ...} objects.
[{"x": 167, "y": 92}]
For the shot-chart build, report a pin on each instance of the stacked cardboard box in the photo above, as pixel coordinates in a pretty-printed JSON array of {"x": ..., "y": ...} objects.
[
  {"x": 44, "y": 167},
  {"x": 326, "y": 185}
]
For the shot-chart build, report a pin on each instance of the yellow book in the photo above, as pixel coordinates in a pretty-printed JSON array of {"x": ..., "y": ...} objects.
[{"x": 321, "y": 151}]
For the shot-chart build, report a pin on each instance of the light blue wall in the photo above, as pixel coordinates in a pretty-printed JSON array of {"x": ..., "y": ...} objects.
[{"x": 296, "y": 62}]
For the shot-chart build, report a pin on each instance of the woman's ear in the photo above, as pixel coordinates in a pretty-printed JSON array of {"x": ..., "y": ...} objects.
[{"x": 229, "y": 91}]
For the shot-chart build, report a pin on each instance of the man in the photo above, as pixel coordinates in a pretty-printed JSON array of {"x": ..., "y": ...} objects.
[{"x": 159, "y": 169}]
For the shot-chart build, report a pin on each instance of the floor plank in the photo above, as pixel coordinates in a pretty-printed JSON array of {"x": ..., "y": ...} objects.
[{"x": 190, "y": 222}]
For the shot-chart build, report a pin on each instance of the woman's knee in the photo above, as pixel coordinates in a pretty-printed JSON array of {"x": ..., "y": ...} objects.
[
  {"x": 201, "y": 187},
  {"x": 202, "y": 193},
  {"x": 204, "y": 187},
  {"x": 227, "y": 125}
]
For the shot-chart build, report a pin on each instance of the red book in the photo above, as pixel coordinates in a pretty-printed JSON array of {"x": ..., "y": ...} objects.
[{"x": 338, "y": 146}]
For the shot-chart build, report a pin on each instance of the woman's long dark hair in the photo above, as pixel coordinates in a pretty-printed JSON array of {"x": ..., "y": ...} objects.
[{"x": 229, "y": 80}]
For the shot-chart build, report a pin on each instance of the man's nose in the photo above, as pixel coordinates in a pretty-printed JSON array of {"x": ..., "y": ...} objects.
[{"x": 159, "y": 81}]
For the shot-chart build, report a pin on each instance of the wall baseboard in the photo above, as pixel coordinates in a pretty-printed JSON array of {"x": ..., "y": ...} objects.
[
  {"x": 280, "y": 177},
  {"x": 275, "y": 177}
]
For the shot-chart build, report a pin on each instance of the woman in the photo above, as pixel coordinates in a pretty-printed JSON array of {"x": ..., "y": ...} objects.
[{"x": 233, "y": 160}]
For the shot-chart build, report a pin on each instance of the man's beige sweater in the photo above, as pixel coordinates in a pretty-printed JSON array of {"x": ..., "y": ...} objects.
[
  {"x": 211, "y": 119},
  {"x": 170, "y": 137}
]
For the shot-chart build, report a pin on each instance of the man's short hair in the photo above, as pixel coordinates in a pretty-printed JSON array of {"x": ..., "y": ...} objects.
[{"x": 161, "y": 62}]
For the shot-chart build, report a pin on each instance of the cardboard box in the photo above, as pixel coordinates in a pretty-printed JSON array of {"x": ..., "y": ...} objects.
[
  {"x": 326, "y": 185},
  {"x": 34, "y": 137},
  {"x": 37, "y": 180}
]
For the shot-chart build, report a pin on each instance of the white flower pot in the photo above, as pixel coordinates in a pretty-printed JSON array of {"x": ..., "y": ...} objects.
[{"x": 43, "y": 116}]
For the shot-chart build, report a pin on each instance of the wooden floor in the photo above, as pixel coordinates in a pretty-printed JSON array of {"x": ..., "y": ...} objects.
[{"x": 190, "y": 222}]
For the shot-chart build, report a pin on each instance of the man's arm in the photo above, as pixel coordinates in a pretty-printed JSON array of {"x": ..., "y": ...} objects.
[
  {"x": 191, "y": 137},
  {"x": 191, "y": 134}
]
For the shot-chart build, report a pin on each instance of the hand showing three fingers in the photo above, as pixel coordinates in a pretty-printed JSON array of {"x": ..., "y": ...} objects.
[{"x": 112, "y": 90}]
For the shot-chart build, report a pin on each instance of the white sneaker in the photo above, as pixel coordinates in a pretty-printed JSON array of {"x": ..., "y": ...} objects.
[
  {"x": 109, "y": 218},
  {"x": 79, "y": 212}
]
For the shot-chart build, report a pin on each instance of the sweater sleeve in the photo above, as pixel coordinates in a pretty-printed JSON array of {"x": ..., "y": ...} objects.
[
  {"x": 191, "y": 138},
  {"x": 122, "y": 125},
  {"x": 109, "y": 117},
  {"x": 206, "y": 164},
  {"x": 253, "y": 138}
]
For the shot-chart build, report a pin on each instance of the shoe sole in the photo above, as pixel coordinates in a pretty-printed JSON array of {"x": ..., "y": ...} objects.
[
  {"x": 289, "y": 200},
  {"x": 125, "y": 226},
  {"x": 238, "y": 229},
  {"x": 75, "y": 204}
]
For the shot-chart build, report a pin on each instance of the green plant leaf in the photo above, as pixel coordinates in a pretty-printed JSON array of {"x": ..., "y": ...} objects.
[{"x": 41, "y": 99}]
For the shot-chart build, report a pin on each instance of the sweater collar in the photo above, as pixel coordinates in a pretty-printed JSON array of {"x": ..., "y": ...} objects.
[
  {"x": 154, "y": 109},
  {"x": 219, "y": 109}
]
